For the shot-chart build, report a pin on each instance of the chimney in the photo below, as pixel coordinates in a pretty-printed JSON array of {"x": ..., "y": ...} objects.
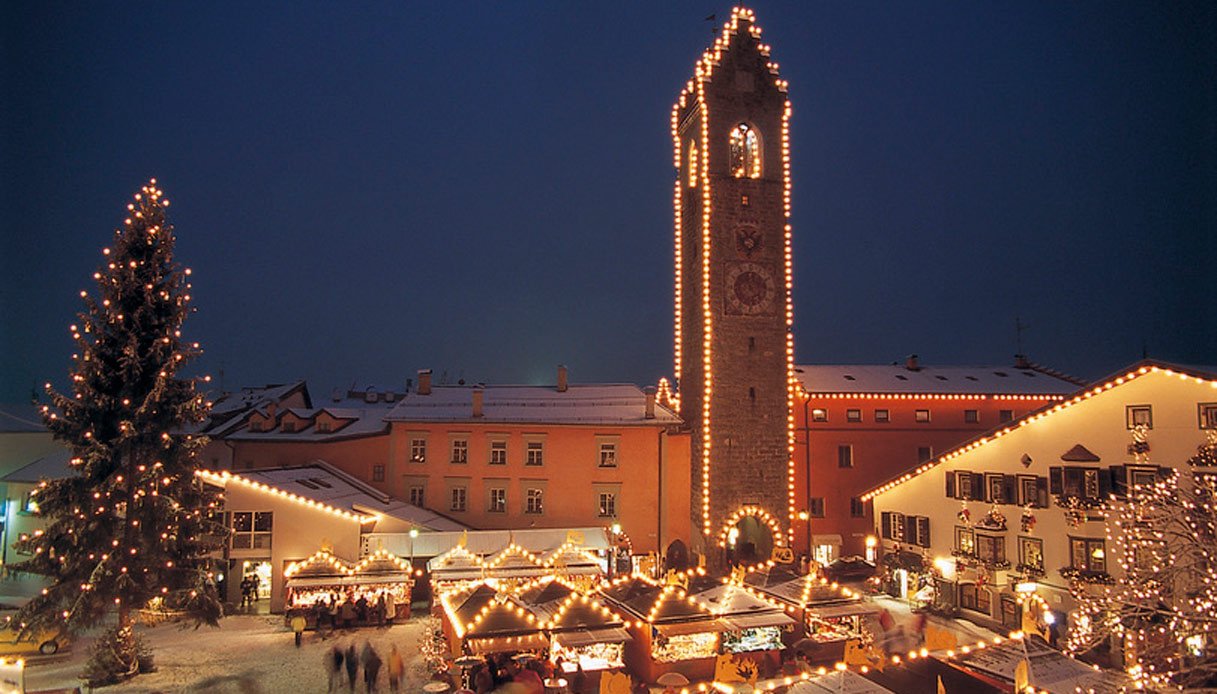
[
  {"x": 650, "y": 412},
  {"x": 477, "y": 402},
  {"x": 336, "y": 395},
  {"x": 911, "y": 363},
  {"x": 561, "y": 378},
  {"x": 1020, "y": 362},
  {"x": 424, "y": 381}
]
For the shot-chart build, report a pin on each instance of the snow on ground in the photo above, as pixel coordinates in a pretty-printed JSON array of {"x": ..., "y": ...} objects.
[{"x": 254, "y": 654}]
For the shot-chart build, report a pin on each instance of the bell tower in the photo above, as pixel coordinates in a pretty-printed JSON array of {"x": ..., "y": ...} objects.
[{"x": 734, "y": 350}]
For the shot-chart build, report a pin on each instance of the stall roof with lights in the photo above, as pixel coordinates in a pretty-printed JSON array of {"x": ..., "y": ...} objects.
[
  {"x": 488, "y": 542},
  {"x": 1050, "y": 670}
]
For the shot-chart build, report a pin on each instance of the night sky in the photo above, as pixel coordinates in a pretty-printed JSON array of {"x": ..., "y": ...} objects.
[{"x": 367, "y": 189}]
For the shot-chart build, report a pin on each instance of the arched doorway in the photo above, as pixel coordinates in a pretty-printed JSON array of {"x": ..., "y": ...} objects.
[
  {"x": 677, "y": 556},
  {"x": 749, "y": 536}
]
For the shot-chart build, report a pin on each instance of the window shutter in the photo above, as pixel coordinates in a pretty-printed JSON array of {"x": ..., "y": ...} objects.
[
  {"x": 901, "y": 532},
  {"x": 886, "y": 522},
  {"x": 950, "y": 484},
  {"x": 1056, "y": 480},
  {"x": 923, "y": 531},
  {"x": 979, "y": 492},
  {"x": 1010, "y": 487},
  {"x": 1041, "y": 488}
]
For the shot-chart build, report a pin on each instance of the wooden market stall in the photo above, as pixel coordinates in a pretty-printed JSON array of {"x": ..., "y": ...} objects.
[
  {"x": 324, "y": 577},
  {"x": 755, "y": 623},
  {"x": 671, "y": 631},
  {"x": 455, "y": 568},
  {"x": 829, "y": 614},
  {"x": 480, "y": 619},
  {"x": 383, "y": 573},
  {"x": 515, "y": 562},
  {"x": 582, "y": 630},
  {"x": 572, "y": 560}
]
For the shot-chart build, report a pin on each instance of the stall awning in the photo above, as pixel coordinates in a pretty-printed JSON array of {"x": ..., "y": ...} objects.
[
  {"x": 848, "y": 610},
  {"x": 586, "y": 637},
  {"x": 322, "y": 581},
  {"x": 740, "y": 622},
  {"x": 700, "y": 627},
  {"x": 528, "y": 642}
]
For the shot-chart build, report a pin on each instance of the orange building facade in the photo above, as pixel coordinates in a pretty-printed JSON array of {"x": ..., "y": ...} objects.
[{"x": 855, "y": 424}]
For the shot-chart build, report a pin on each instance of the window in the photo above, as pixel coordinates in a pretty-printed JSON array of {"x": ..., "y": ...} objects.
[
  {"x": 378, "y": 473},
  {"x": 924, "y": 453},
  {"x": 891, "y": 525},
  {"x": 815, "y": 507},
  {"x": 608, "y": 505},
  {"x": 857, "y": 509},
  {"x": 497, "y": 502},
  {"x": 692, "y": 163},
  {"x": 882, "y": 416},
  {"x": 965, "y": 540},
  {"x": 918, "y": 530},
  {"x": 1033, "y": 491},
  {"x": 418, "y": 450},
  {"x": 991, "y": 548},
  {"x": 1145, "y": 478},
  {"x": 819, "y": 414},
  {"x": 323, "y": 426},
  {"x": 1087, "y": 554},
  {"x": 534, "y": 453},
  {"x": 921, "y": 416},
  {"x": 458, "y": 499},
  {"x": 963, "y": 485},
  {"x": 460, "y": 451},
  {"x": 498, "y": 452},
  {"x": 745, "y": 152},
  {"x": 1139, "y": 416},
  {"x": 995, "y": 485},
  {"x": 1004, "y": 416},
  {"x": 289, "y": 426},
  {"x": 252, "y": 529},
  {"x": 1031, "y": 553},
  {"x": 971, "y": 416},
  {"x": 608, "y": 455},
  {"x": 744, "y": 201},
  {"x": 853, "y": 415},
  {"x": 533, "y": 501},
  {"x": 28, "y": 503},
  {"x": 1208, "y": 415},
  {"x": 845, "y": 456},
  {"x": 1077, "y": 482},
  {"x": 418, "y": 495}
]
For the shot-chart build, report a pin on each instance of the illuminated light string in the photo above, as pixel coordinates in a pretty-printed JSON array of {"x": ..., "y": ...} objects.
[
  {"x": 926, "y": 396},
  {"x": 758, "y": 512},
  {"x": 224, "y": 477},
  {"x": 1031, "y": 419}
]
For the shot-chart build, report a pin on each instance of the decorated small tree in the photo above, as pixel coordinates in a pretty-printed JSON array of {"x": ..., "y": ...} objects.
[
  {"x": 1160, "y": 611},
  {"x": 132, "y": 525}
]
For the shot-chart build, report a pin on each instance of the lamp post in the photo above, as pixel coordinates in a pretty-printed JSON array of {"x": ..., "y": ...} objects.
[
  {"x": 614, "y": 532},
  {"x": 413, "y": 534}
]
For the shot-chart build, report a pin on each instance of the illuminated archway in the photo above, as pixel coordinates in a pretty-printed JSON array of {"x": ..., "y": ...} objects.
[{"x": 751, "y": 525}]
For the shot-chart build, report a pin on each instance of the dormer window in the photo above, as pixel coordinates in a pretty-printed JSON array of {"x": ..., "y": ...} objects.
[
  {"x": 745, "y": 152},
  {"x": 289, "y": 426}
]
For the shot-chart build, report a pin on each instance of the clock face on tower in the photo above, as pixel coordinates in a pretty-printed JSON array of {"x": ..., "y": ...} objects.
[{"x": 750, "y": 289}]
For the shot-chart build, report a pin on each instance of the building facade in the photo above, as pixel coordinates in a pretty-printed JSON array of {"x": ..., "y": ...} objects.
[
  {"x": 733, "y": 347},
  {"x": 1017, "y": 506}
]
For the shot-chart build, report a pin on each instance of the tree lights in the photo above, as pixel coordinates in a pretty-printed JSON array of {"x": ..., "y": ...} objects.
[{"x": 132, "y": 523}]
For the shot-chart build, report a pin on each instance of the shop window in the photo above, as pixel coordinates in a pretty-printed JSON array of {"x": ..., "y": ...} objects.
[
  {"x": 882, "y": 416},
  {"x": 252, "y": 529},
  {"x": 845, "y": 456},
  {"x": 1087, "y": 554},
  {"x": 498, "y": 452},
  {"x": 1139, "y": 416}
]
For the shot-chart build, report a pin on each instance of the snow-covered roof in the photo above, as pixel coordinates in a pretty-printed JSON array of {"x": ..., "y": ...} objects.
[
  {"x": 52, "y": 467},
  {"x": 487, "y": 542},
  {"x": 325, "y": 484},
  {"x": 609, "y": 403},
  {"x": 353, "y": 422},
  {"x": 22, "y": 418},
  {"x": 249, "y": 398},
  {"x": 947, "y": 380}
]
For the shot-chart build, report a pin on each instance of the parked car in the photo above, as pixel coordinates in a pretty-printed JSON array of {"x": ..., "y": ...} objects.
[
  {"x": 849, "y": 569},
  {"x": 12, "y": 642}
]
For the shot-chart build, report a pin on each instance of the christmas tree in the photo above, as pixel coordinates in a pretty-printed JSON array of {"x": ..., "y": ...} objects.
[
  {"x": 1160, "y": 611},
  {"x": 133, "y": 525}
]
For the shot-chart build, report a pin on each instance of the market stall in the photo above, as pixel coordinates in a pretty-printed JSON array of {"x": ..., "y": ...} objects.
[
  {"x": 755, "y": 624},
  {"x": 829, "y": 614},
  {"x": 320, "y": 577},
  {"x": 515, "y": 562},
  {"x": 455, "y": 568},
  {"x": 585, "y": 632},
  {"x": 572, "y": 560},
  {"x": 480, "y": 619},
  {"x": 671, "y": 631},
  {"x": 328, "y": 579},
  {"x": 385, "y": 574}
]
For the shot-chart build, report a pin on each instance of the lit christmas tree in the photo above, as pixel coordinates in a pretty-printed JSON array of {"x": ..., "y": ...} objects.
[
  {"x": 133, "y": 525},
  {"x": 1161, "y": 612}
]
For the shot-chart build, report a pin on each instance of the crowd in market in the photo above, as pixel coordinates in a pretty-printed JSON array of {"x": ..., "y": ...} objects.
[
  {"x": 344, "y": 611},
  {"x": 349, "y": 662}
]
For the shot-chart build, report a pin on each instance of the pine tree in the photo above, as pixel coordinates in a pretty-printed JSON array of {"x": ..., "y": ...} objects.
[
  {"x": 133, "y": 524},
  {"x": 1160, "y": 611}
]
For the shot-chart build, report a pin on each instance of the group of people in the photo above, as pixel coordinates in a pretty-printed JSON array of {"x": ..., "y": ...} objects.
[
  {"x": 498, "y": 669},
  {"x": 349, "y": 662},
  {"x": 348, "y": 610},
  {"x": 249, "y": 590}
]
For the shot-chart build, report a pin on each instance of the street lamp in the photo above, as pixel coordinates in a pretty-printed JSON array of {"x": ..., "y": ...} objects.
[{"x": 413, "y": 534}]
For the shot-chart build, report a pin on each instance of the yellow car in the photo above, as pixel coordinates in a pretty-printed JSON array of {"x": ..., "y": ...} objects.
[{"x": 44, "y": 642}]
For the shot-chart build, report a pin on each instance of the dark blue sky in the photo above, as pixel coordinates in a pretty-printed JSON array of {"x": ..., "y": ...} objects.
[{"x": 366, "y": 189}]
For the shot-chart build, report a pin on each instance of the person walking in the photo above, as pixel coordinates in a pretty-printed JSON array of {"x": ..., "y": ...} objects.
[
  {"x": 298, "y": 624},
  {"x": 247, "y": 587},
  {"x": 352, "y": 664},
  {"x": 347, "y": 612},
  {"x": 397, "y": 667},
  {"x": 371, "y": 667},
  {"x": 333, "y": 667}
]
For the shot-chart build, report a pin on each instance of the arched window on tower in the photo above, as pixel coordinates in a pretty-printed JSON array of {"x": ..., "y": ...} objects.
[
  {"x": 745, "y": 152},
  {"x": 692, "y": 163}
]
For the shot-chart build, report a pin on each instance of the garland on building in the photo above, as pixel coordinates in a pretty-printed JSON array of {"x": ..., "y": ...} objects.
[{"x": 132, "y": 523}]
